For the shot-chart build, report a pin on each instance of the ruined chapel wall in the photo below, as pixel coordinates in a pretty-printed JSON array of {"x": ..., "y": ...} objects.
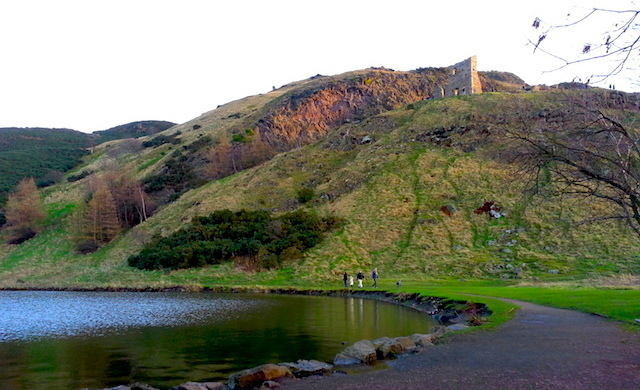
[{"x": 463, "y": 79}]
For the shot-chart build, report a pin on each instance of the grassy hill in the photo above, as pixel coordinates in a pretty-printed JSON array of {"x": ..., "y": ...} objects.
[
  {"x": 45, "y": 154},
  {"x": 404, "y": 174}
]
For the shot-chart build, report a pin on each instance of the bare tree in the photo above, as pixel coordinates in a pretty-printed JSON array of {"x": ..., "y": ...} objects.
[
  {"x": 132, "y": 202},
  {"x": 99, "y": 222},
  {"x": 580, "y": 149},
  {"x": 24, "y": 212},
  {"x": 618, "y": 39}
]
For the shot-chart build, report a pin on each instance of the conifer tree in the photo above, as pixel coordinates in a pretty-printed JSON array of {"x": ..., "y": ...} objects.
[
  {"x": 99, "y": 223},
  {"x": 24, "y": 212}
]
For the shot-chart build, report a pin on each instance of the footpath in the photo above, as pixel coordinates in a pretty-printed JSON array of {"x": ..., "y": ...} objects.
[{"x": 540, "y": 348}]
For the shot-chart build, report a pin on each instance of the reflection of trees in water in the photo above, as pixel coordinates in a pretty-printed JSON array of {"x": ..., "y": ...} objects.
[{"x": 119, "y": 369}]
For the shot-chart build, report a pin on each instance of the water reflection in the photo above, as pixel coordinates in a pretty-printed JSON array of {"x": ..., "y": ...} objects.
[{"x": 98, "y": 340}]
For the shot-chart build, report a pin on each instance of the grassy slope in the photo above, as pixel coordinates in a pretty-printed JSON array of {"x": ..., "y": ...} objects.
[{"x": 390, "y": 193}]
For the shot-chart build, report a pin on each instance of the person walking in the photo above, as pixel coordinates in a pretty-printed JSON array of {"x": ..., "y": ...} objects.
[
  {"x": 345, "y": 278},
  {"x": 374, "y": 276},
  {"x": 351, "y": 281},
  {"x": 360, "y": 278}
]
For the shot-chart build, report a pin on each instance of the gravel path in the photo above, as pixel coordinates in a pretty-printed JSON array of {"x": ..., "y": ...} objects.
[{"x": 540, "y": 348}]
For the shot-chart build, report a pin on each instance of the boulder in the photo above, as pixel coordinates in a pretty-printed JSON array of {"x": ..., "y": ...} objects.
[
  {"x": 377, "y": 343},
  {"x": 397, "y": 346},
  {"x": 455, "y": 327},
  {"x": 305, "y": 368},
  {"x": 254, "y": 377},
  {"x": 343, "y": 360},
  {"x": 362, "y": 351},
  {"x": 142, "y": 386},
  {"x": 423, "y": 340},
  {"x": 201, "y": 386},
  {"x": 135, "y": 386}
]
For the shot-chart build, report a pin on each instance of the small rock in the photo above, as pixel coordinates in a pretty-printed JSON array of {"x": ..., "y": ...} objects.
[
  {"x": 269, "y": 385},
  {"x": 637, "y": 320},
  {"x": 554, "y": 271}
]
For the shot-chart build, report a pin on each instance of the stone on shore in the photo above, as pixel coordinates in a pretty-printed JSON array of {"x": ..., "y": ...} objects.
[
  {"x": 254, "y": 377},
  {"x": 135, "y": 386},
  {"x": 269, "y": 385},
  {"x": 377, "y": 343},
  {"x": 304, "y": 368},
  {"x": 397, "y": 346},
  {"x": 201, "y": 386},
  {"x": 362, "y": 351},
  {"x": 456, "y": 327},
  {"x": 423, "y": 340}
]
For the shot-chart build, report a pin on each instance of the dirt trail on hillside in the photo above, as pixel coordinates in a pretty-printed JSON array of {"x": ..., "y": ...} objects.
[{"x": 540, "y": 348}]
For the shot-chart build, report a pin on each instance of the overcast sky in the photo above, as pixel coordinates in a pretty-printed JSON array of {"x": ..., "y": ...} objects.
[{"x": 94, "y": 64}]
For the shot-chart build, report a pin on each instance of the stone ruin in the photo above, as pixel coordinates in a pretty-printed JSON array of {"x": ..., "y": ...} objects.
[{"x": 463, "y": 80}]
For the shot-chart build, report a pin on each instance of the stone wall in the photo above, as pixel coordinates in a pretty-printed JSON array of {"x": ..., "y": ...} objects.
[{"x": 463, "y": 79}]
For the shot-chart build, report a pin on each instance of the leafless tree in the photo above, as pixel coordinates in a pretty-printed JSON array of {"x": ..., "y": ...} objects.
[
  {"x": 618, "y": 40},
  {"x": 581, "y": 149},
  {"x": 24, "y": 211}
]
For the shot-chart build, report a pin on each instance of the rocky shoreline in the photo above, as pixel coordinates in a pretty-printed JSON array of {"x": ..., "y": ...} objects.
[{"x": 452, "y": 315}]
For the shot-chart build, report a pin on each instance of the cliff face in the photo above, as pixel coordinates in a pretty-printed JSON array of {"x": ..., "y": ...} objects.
[
  {"x": 304, "y": 117},
  {"x": 303, "y": 113}
]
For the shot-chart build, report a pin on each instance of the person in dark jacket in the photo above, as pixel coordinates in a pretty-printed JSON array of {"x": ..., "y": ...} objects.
[
  {"x": 360, "y": 278},
  {"x": 374, "y": 276}
]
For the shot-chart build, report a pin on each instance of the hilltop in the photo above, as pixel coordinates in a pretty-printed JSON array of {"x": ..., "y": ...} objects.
[{"x": 403, "y": 172}]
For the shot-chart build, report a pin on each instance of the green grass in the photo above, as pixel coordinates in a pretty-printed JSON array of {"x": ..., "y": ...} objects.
[{"x": 618, "y": 304}]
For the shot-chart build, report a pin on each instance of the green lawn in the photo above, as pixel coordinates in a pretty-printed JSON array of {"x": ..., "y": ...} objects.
[{"x": 619, "y": 304}]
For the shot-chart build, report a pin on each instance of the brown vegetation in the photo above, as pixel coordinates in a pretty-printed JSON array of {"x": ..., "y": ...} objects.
[{"x": 24, "y": 212}]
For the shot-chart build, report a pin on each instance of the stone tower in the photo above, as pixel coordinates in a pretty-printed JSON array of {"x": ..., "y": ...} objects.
[{"x": 463, "y": 79}]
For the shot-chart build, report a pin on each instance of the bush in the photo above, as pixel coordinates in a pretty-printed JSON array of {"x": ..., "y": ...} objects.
[
  {"x": 305, "y": 194},
  {"x": 79, "y": 176},
  {"x": 161, "y": 140},
  {"x": 256, "y": 237},
  {"x": 87, "y": 246}
]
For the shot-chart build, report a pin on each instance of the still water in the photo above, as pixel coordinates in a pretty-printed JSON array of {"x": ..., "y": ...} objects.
[{"x": 74, "y": 340}]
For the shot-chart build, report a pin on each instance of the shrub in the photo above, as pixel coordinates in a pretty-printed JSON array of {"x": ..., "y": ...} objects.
[
  {"x": 79, "y": 176},
  {"x": 305, "y": 194},
  {"x": 87, "y": 246},
  {"x": 161, "y": 140},
  {"x": 255, "y": 238}
]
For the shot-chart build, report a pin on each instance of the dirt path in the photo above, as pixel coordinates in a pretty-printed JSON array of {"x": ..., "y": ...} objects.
[{"x": 540, "y": 348}]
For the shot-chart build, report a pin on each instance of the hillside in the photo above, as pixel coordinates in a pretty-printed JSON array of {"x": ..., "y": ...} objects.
[
  {"x": 405, "y": 175},
  {"x": 40, "y": 153},
  {"x": 132, "y": 130},
  {"x": 45, "y": 154}
]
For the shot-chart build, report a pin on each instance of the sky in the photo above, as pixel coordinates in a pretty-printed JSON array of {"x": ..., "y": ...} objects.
[{"x": 91, "y": 65}]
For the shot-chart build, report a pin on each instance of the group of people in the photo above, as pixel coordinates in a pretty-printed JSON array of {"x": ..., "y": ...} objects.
[{"x": 348, "y": 280}]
